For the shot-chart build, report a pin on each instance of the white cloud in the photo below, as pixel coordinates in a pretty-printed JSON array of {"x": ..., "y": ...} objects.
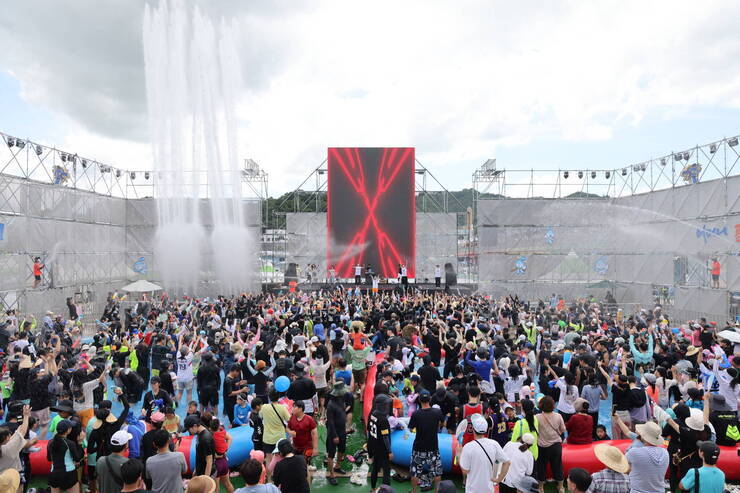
[{"x": 455, "y": 79}]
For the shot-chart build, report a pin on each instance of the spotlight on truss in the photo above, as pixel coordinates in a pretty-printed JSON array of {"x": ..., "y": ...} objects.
[
  {"x": 712, "y": 148},
  {"x": 607, "y": 174},
  {"x": 677, "y": 157},
  {"x": 624, "y": 171},
  {"x": 643, "y": 167},
  {"x": 146, "y": 175},
  {"x": 580, "y": 174},
  {"x": 593, "y": 175},
  {"x": 39, "y": 150},
  {"x": 732, "y": 142},
  {"x": 20, "y": 144},
  {"x": 566, "y": 174},
  {"x": 84, "y": 163},
  {"x": 686, "y": 155},
  {"x": 118, "y": 173},
  {"x": 662, "y": 161},
  {"x": 63, "y": 157},
  {"x": 10, "y": 141},
  {"x": 133, "y": 175}
]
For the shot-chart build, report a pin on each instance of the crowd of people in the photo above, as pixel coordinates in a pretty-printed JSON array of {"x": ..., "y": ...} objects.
[{"x": 511, "y": 380}]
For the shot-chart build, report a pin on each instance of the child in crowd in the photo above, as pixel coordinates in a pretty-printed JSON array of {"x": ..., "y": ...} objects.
[
  {"x": 255, "y": 421},
  {"x": 193, "y": 409},
  {"x": 171, "y": 420},
  {"x": 241, "y": 410},
  {"x": 601, "y": 433}
]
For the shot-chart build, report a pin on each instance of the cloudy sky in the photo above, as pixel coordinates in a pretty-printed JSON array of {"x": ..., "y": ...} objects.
[{"x": 542, "y": 85}]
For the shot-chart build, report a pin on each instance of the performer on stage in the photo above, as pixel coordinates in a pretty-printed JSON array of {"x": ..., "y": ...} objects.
[
  {"x": 376, "y": 282},
  {"x": 332, "y": 275},
  {"x": 358, "y": 274},
  {"x": 437, "y": 276},
  {"x": 37, "y": 268},
  {"x": 368, "y": 274},
  {"x": 404, "y": 276}
]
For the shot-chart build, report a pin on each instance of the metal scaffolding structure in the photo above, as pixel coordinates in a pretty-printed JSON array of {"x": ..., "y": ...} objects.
[
  {"x": 653, "y": 227},
  {"x": 92, "y": 225}
]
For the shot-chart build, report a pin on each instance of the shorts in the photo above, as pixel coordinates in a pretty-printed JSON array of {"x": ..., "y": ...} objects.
[
  {"x": 63, "y": 480},
  {"x": 267, "y": 448},
  {"x": 185, "y": 385},
  {"x": 222, "y": 467},
  {"x": 258, "y": 446},
  {"x": 38, "y": 278},
  {"x": 426, "y": 466},
  {"x": 42, "y": 417},
  {"x": 715, "y": 277},
  {"x": 332, "y": 448},
  {"x": 85, "y": 415},
  {"x": 360, "y": 376},
  {"x": 321, "y": 393},
  {"x": 208, "y": 398},
  {"x": 92, "y": 472}
]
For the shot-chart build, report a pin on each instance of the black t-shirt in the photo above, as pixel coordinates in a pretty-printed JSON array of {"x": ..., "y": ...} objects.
[
  {"x": 290, "y": 475},
  {"x": 209, "y": 378},
  {"x": 621, "y": 398},
  {"x": 426, "y": 422},
  {"x": 205, "y": 447},
  {"x": 40, "y": 395},
  {"x": 229, "y": 387},
  {"x": 452, "y": 353},
  {"x": 378, "y": 431},
  {"x": 429, "y": 376},
  {"x": 396, "y": 343},
  {"x": 302, "y": 389}
]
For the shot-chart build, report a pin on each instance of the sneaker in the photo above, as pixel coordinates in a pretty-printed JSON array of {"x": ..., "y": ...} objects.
[{"x": 333, "y": 481}]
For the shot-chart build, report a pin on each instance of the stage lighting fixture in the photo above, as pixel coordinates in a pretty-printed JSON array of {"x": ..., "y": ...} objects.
[
  {"x": 677, "y": 157},
  {"x": 146, "y": 175},
  {"x": 72, "y": 159},
  {"x": 662, "y": 161},
  {"x": 593, "y": 175},
  {"x": 624, "y": 171},
  {"x": 607, "y": 175},
  {"x": 84, "y": 163},
  {"x": 686, "y": 155},
  {"x": 643, "y": 167},
  {"x": 566, "y": 174},
  {"x": 20, "y": 144},
  {"x": 39, "y": 150},
  {"x": 118, "y": 173},
  {"x": 63, "y": 157},
  {"x": 10, "y": 142},
  {"x": 732, "y": 142},
  {"x": 580, "y": 174},
  {"x": 133, "y": 175},
  {"x": 712, "y": 148}
]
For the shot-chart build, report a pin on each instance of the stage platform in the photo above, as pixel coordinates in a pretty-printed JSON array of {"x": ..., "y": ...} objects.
[{"x": 461, "y": 289}]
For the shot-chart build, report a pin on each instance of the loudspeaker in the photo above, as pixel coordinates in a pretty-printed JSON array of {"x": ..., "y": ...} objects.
[
  {"x": 291, "y": 273},
  {"x": 450, "y": 275},
  {"x": 680, "y": 269}
]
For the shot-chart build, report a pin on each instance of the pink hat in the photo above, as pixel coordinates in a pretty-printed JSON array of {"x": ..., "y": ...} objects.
[
  {"x": 258, "y": 455},
  {"x": 157, "y": 417}
]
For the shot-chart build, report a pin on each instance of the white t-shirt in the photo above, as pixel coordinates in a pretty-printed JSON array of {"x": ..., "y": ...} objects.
[
  {"x": 437, "y": 272},
  {"x": 522, "y": 463},
  {"x": 566, "y": 401},
  {"x": 185, "y": 368},
  {"x": 481, "y": 469},
  {"x": 300, "y": 341},
  {"x": 404, "y": 271},
  {"x": 358, "y": 270}
]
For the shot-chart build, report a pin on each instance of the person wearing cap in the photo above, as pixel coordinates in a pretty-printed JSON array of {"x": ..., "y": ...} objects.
[
  {"x": 612, "y": 479},
  {"x": 336, "y": 434},
  {"x": 479, "y": 458},
  {"x": 164, "y": 470},
  {"x": 205, "y": 449},
  {"x": 291, "y": 473},
  {"x": 426, "y": 463},
  {"x": 724, "y": 421},
  {"x": 106, "y": 424},
  {"x": 64, "y": 456},
  {"x": 302, "y": 389},
  {"x": 709, "y": 478},
  {"x": 109, "y": 467},
  {"x": 521, "y": 463}
]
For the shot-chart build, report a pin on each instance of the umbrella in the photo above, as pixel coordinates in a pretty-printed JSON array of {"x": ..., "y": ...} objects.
[
  {"x": 731, "y": 335},
  {"x": 141, "y": 286},
  {"x": 606, "y": 285}
]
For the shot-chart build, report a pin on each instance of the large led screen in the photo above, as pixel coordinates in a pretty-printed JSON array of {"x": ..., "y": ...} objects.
[{"x": 371, "y": 213}]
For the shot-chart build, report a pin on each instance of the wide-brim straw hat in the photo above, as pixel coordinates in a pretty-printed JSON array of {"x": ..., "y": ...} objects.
[
  {"x": 651, "y": 433},
  {"x": 691, "y": 350},
  {"x": 612, "y": 457},
  {"x": 9, "y": 481},
  {"x": 696, "y": 420}
]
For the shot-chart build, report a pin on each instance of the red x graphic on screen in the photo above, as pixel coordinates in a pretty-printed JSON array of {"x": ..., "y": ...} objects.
[{"x": 371, "y": 237}]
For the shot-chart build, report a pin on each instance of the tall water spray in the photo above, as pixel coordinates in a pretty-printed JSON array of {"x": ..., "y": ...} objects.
[{"x": 192, "y": 79}]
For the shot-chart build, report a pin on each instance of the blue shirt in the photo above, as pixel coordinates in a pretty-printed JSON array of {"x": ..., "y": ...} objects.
[
  {"x": 711, "y": 480},
  {"x": 241, "y": 414},
  {"x": 649, "y": 465},
  {"x": 318, "y": 331}
]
